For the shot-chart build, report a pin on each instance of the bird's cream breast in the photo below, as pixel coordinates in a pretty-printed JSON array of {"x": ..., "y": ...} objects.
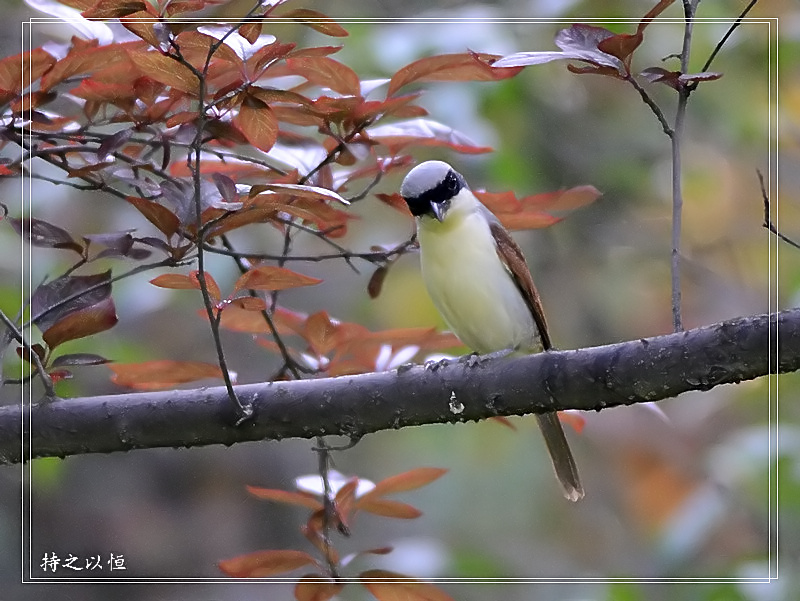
[{"x": 471, "y": 287}]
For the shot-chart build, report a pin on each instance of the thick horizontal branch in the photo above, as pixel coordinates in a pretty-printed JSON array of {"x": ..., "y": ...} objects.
[{"x": 637, "y": 371}]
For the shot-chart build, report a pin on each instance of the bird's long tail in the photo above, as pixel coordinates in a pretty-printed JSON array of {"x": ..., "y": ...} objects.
[{"x": 560, "y": 455}]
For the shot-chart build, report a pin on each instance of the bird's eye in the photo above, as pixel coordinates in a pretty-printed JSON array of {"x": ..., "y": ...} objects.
[{"x": 451, "y": 181}]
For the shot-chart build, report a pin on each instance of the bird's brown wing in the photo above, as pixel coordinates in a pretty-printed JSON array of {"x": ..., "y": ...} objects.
[
  {"x": 555, "y": 439},
  {"x": 511, "y": 256}
]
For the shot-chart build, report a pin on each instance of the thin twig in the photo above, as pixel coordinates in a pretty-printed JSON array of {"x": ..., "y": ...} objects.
[
  {"x": 767, "y": 220},
  {"x": 653, "y": 106},
  {"x": 47, "y": 381},
  {"x": 244, "y": 410},
  {"x": 722, "y": 41},
  {"x": 689, "y": 7},
  {"x": 329, "y": 506}
]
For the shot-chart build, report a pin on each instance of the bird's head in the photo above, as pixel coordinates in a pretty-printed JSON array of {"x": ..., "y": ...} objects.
[{"x": 432, "y": 188}]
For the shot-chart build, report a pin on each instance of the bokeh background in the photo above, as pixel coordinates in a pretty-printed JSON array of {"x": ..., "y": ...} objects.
[{"x": 693, "y": 490}]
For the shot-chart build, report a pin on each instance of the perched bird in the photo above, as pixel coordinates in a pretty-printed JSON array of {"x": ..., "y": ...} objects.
[{"x": 477, "y": 278}]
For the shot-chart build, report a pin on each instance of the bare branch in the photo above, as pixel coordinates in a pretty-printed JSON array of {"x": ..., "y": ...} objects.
[
  {"x": 590, "y": 379},
  {"x": 767, "y": 220}
]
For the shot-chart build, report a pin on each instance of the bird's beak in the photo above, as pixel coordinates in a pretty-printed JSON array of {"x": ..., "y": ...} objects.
[{"x": 439, "y": 209}]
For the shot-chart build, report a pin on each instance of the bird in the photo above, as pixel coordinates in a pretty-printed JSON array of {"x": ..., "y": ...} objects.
[{"x": 478, "y": 279}]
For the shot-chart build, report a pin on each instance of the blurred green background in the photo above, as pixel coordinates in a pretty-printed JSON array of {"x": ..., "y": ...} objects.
[{"x": 699, "y": 495}]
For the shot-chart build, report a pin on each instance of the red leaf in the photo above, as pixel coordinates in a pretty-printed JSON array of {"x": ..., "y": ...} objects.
[
  {"x": 318, "y": 21},
  {"x": 86, "y": 60},
  {"x": 257, "y": 122},
  {"x": 249, "y": 303},
  {"x": 25, "y": 355},
  {"x": 250, "y": 31},
  {"x": 388, "y": 508},
  {"x": 395, "y": 201},
  {"x": 301, "y": 191},
  {"x": 574, "y": 419},
  {"x": 112, "y": 9},
  {"x": 265, "y": 563},
  {"x": 18, "y": 72},
  {"x": 326, "y": 72},
  {"x": 43, "y": 234},
  {"x": 375, "y": 284},
  {"x": 268, "y": 277},
  {"x": 156, "y": 375},
  {"x": 195, "y": 47},
  {"x": 89, "y": 89},
  {"x": 143, "y": 25},
  {"x": 159, "y": 215},
  {"x": 301, "y": 499},
  {"x": 50, "y": 304},
  {"x": 466, "y": 66},
  {"x": 79, "y": 359},
  {"x": 309, "y": 588},
  {"x": 410, "y": 480},
  {"x": 652, "y": 14},
  {"x": 529, "y": 212},
  {"x": 179, "y": 281},
  {"x": 166, "y": 70},
  {"x": 423, "y": 132},
  {"x": 391, "y": 586},
  {"x": 622, "y": 46},
  {"x": 578, "y": 42},
  {"x": 320, "y": 332},
  {"x": 91, "y": 320}
]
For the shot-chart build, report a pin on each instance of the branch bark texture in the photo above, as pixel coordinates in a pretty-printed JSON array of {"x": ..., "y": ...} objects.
[{"x": 471, "y": 388}]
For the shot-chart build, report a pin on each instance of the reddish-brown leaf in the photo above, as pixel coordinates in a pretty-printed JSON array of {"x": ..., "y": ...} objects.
[
  {"x": 18, "y": 72},
  {"x": 388, "y": 508},
  {"x": 266, "y": 56},
  {"x": 113, "y": 9},
  {"x": 159, "y": 215},
  {"x": 156, "y": 375},
  {"x": 188, "y": 6},
  {"x": 320, "y": 332},
  {"x": 622, "y": 46},
  {"x": 166, "y": 70},
  {"x": 532, "y": 212},
  {"x": 195, "y": 47},
  {"x": 302, "y": 499},
  {"x": 410, "y": 480},
  {"x": 395, "y": 201},
  {"x": 89, "y": 89},
  {"x": 178, "y": 281},
  {"x": 265, "y": 563},
  {"x": 79, "y": 324},
  {"x": 318, "y": 21},
  {"x": 309, "y": 588},
  {"x": 652, "y": 14},
  {"x": 87, "y": 60},
  {"x": 391, "y": 586},
  {"x": 55, "y": 300},
  {"x": 326, "y": 72},
  {"x": 269, "y": 277},
  {"x": 175, "y": 281},
  {"x": 257, "y": 122},
  {"x": 467, "y": 66},
  {"x": 38, "y": 232},
  {"x": 37, "y": 348},
  {"x": 375, "y": 284},
  {"x": 248, "y": 303},
  {"x": 423, "y": 132},
  {"x": 250, "y": 31},
  {"x": 79, "y": 359},
  {"x": 142, "y": 24},
  {"x": 575, "y": 420}
]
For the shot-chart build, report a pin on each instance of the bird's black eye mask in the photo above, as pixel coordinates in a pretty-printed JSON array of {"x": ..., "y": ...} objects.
[{"x": 451, "y": 185}]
